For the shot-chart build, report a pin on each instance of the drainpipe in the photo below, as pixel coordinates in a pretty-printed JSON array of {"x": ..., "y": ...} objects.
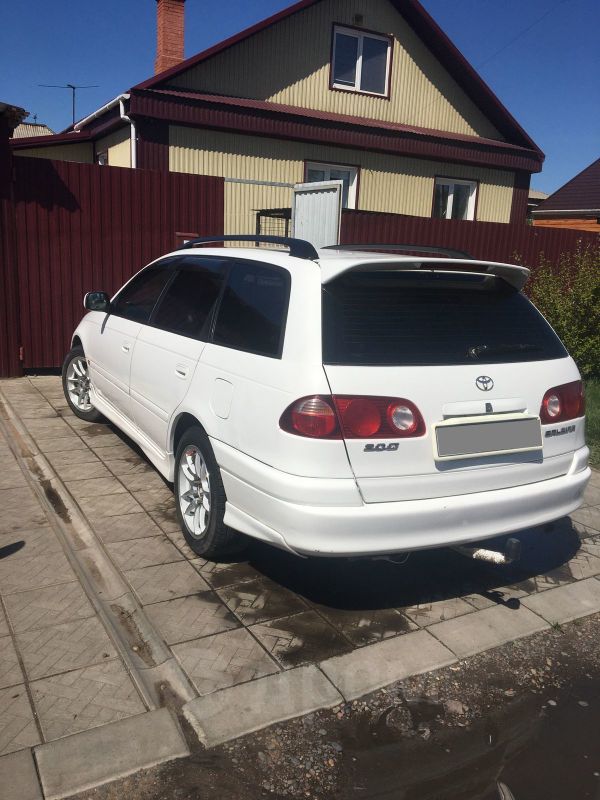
[
  {"x": 133, "y": 133},
  {"x": 120, "y": 101}
]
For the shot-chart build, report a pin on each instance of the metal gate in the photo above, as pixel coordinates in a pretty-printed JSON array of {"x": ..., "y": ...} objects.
[{"x": 317, "y": 212}]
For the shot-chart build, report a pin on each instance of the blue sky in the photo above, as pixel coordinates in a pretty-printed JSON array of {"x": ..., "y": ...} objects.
[{"x": 541, "y": 57}]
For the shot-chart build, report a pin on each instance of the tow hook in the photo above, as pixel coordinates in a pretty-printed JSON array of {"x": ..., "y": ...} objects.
[{"x": 511, "y": 553}]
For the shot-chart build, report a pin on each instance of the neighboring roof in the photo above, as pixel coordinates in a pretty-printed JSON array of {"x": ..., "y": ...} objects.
[
  {"x": 27, "y": 129},
  {"x": 429, "y": 32},
  {"x": 581, "y": 194},
  {"x": 50, "y": 140},
  {"x": 535, "y": 195}
]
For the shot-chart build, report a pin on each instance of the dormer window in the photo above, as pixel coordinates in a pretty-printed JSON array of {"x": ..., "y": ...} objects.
[{"x": 361, "y": 61}]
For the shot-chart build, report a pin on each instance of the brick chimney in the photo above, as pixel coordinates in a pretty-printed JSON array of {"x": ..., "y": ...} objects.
[{"x": 170, "y": 32}]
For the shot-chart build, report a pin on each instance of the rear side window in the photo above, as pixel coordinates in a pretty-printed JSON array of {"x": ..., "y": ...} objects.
[
  {"x": 136, "y": 300},
  {"x": 431, "y": 318},
  {"x": 253, "y": 310},
  {"x": 188, "y": 302}
]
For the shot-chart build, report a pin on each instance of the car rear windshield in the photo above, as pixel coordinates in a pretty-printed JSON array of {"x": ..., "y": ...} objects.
[{"x": 413, "y": 318}]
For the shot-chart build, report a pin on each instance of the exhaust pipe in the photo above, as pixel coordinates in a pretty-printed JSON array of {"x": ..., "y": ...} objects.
[{"x": 511, "y": 553}]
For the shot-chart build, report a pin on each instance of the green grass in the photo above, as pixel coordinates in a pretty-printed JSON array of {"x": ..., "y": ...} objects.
[{"x": 592, "y": 397}]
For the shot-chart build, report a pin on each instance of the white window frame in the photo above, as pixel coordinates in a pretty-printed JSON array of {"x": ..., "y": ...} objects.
[
  {"x": 451, "y": 183},
  {"x": 327, "y": 168},
  {"x": 361, "y": 36}
]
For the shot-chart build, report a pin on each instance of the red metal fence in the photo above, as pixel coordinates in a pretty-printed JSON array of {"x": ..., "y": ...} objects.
[
  {"x": 80, "y": 227},
  {"x": 491, "y": 241}
]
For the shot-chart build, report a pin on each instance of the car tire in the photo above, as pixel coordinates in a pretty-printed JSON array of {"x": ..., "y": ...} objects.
[
  {"x": 200, "y": 498},
  {"x": 76, "y": 386}
]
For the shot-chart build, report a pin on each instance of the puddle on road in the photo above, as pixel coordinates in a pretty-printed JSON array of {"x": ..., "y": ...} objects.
[{"x": 534, "y": 750}]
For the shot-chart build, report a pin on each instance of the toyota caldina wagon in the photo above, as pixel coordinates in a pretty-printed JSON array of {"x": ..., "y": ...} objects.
[{"x": 337, "y": 403}]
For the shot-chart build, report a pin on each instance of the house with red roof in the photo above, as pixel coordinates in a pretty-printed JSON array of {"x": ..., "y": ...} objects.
[
  {"x": 574, "y": 205},
  {"x": 370, "y": 93}
]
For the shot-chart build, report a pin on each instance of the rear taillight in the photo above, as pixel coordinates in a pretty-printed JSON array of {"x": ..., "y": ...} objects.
[
  {"x": 311, "y": 416},
  {"x": 562, "y": 403},
  {"x": 326, "y": 417}
]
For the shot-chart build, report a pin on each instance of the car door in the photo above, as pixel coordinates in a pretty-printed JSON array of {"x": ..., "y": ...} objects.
[
  {"x": 109, "y": 352},
  {"x": 168, "y": 348}
]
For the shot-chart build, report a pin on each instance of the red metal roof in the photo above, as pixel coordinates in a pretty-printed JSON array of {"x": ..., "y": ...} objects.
[
  {"x": 51, "y": 139},
  {"x": 327, "y": 116},
  {"x": 430, "y": 33},
  {"x": 261, "y": 118},
  {"x": 581, "y": 193}
]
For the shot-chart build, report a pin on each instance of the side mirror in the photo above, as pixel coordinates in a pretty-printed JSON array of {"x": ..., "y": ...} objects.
[{"x": 96, "y": 301}]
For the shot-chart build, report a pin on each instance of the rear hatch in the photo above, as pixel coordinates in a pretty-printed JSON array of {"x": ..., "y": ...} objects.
[{"x": 475, "y": 358}]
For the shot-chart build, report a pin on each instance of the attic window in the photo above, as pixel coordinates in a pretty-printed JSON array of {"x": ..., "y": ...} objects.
[{"x": 360, "y": 61}]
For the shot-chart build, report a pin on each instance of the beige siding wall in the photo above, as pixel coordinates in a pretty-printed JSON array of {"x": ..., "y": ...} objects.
[
  {"x": 118, "y": 146},
  {"x": 289, "y": 63},
  {"x": 82, "y": 153},
  {"x": 387, "y": 183}
]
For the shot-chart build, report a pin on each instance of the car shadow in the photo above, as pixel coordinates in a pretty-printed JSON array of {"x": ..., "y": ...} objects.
[{"x": 427, "y": 576}]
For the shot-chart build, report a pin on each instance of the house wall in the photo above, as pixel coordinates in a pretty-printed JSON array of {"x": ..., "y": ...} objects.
[
  {"x": 82, "y": 152},
  {"x": 118, "y": 146},
  {"x": 576, "y": 224},
  {"x": 386, "y": 183},
  {"x": 290, "y": 63}
]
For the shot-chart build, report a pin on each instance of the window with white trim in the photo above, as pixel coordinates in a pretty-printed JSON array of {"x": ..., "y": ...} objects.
[
  {"x": 360, "y": 62},
  {"x": 454, "y": 199},
  {"x": 315, "y": 171}
]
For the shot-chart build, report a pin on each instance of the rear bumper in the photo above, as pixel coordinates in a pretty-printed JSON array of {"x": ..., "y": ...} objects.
[{"x": 352, "y": 528}]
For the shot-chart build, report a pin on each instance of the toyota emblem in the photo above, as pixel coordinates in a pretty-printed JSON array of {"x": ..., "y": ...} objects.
[{"x": 485, "y": 383}]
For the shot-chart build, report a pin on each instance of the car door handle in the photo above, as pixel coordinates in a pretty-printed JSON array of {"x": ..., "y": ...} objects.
[
  {"x": 126, "y": 347},
  {"x": 181, "y": 372}
]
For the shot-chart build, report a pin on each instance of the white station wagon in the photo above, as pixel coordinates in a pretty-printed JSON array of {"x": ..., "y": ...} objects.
[{"x": 337, "y": 403}]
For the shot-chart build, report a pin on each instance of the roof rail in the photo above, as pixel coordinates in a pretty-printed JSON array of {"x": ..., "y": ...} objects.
[
  {"x": 409, "y": 248},
  {"x": 298, "y": 247}
]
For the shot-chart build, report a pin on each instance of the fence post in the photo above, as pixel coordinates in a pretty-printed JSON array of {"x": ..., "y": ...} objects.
[{"x": 10, "y": 363}]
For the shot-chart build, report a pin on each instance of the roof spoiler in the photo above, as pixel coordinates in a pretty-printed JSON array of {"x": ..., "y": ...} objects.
[
  {"x": 402, "y": 248},
  {"x": 514, "y": 275}
]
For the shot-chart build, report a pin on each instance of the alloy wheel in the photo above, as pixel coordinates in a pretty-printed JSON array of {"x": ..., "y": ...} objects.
[
  {"x": 78, "y": 384},
  {"x": 194, "y": 491}
]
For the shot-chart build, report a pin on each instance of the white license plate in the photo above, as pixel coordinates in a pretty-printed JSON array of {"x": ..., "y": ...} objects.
[{"x": 463, "y": 439}]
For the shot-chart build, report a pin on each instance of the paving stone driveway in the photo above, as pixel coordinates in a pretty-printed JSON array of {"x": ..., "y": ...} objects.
[{"x": 225, "y": 623}]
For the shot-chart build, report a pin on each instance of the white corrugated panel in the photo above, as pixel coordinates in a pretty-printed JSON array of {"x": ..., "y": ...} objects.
[{"x": 317, "y": 212}]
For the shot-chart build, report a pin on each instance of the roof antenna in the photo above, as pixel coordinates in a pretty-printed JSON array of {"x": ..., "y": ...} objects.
[{"x": 70, "y": 86}]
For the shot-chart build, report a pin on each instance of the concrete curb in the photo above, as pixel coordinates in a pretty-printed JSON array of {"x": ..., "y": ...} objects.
[
  {"x": 89, "y": 759},
  {"x": 248, "y": 707},
  {"x": 566, "y": 603},
  {"x": 375, "y": 666}
]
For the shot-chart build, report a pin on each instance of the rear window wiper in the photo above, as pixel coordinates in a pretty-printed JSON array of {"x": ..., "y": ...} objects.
[{"x": 500, "y": 349}]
